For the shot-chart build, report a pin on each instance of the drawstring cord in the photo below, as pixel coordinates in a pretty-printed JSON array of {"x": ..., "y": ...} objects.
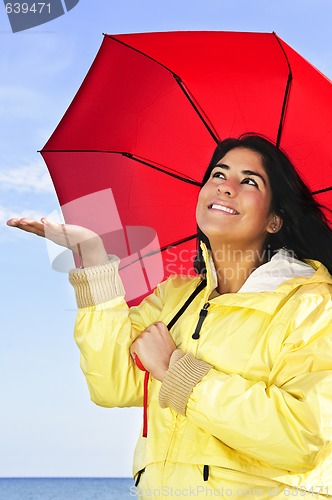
[
  {"x": 138, "y": 478},
  {"x": 145, "y": 404},
  {"x": 145, "y": 395}
]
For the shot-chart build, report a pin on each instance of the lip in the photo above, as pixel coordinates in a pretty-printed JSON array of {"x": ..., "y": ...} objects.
[{"x": 222, "y": 207}]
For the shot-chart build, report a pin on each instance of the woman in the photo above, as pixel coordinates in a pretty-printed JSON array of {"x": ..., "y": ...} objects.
[{"x": 240, "y": 397}]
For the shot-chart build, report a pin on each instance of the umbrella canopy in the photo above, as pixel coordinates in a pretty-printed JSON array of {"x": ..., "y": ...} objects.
[{"x": 145, "y": 122}]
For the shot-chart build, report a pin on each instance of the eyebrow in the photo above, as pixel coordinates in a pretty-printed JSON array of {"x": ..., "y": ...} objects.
[{"x": 245, "y": 172}]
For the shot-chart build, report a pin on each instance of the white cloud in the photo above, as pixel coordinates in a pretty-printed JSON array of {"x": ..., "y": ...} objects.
[
  {"x": 7, "y": 213},
  {"x": 30, "y": 178},
  {"x": 11, "y": 234}
]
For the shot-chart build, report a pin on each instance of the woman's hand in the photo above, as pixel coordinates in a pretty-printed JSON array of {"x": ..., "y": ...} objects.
[
  {"x": 154, "y": 347},
  {"x": 77, "y": 238}
]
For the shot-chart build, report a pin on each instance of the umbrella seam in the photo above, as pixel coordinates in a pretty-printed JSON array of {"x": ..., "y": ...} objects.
[
  {"x": 286, "y": 95},
  {"x": 127, "y": 155}
]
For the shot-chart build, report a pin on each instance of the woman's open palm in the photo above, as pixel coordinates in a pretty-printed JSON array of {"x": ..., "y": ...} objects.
[{"x": 77, "y": 238}]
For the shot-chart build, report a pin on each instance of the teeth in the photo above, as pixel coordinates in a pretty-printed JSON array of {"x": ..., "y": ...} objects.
[{"x": 224, "y": 209}]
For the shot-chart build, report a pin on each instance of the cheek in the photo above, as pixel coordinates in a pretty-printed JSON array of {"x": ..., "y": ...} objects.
[
  {"x": 255, "y": 199},
  {"x": 200, "y": 203},
  {"x": 197, "y": 209},
  {"x": 205, "y": 191},
  {"x": 201, "y": 196},
  {"x": 260, "y": 208}
]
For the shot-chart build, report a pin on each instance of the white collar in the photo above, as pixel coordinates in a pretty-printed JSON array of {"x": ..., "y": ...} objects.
[
  {"x": 280, "y": 268},
  {"x": 267, "y": 277}
]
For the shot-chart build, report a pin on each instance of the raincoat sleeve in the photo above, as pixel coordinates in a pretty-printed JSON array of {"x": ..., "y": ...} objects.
[
  {"x": 284, "y": 420},
  {"x": 104, "y": 331}
]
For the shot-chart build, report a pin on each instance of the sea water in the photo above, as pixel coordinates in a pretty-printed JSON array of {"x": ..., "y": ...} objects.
[{"x": 67, "y": 488}]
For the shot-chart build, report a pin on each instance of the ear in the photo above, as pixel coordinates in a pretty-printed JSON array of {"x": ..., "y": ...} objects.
[{"x": 275, "y": 224}]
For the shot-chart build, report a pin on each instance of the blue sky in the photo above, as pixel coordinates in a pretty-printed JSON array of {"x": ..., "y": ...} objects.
[{"x": 48, "y": 426}]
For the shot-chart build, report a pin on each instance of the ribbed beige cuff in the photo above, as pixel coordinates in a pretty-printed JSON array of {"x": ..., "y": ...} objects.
[
  {"x": 184, "y": 372},
  {"x": 97, "y": 284}
]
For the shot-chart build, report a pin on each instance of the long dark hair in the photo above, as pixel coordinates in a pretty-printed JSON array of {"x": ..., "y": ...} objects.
[{"x": 305, "y": 231}]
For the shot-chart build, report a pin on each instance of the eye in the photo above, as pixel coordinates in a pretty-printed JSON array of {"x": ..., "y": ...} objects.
[
  {"x": 218, "y": 174},
  {"x": 250, "y": 181}
]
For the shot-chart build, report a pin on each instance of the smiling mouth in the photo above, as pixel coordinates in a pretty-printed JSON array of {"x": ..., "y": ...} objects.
[{"x": 221, "y": 208}]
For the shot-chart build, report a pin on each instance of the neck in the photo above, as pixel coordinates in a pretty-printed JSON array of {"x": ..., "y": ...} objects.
[{"x": 234, "y": 266}]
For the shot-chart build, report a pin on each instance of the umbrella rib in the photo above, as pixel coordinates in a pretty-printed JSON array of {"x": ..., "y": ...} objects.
[
  {"x": 322, "y": 190},
  {"x": 162, "y": 249},
  {"x": 127, "y": 155},
  {"x": 112, "y": 37},
  {"x": 195, "y": 107},
  {"x": 160, "y": 169},
  {"x": 286, "y": 95},
  {"x": 179, "y": 82}
]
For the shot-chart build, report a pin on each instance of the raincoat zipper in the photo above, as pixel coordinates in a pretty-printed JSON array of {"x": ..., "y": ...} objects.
[
  {"x": 205, "y": 472},
  {"x": 202, "y": 316}
]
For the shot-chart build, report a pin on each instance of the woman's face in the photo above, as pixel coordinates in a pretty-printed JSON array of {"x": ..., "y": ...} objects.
[{"x": 234, "y": 205}]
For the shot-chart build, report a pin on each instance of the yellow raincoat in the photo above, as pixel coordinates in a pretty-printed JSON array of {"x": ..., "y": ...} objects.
[{"x": 248, "y": 404}]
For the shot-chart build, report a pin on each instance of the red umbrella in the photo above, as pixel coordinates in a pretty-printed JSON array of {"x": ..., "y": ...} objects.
[{"x": 147, "y": 118}]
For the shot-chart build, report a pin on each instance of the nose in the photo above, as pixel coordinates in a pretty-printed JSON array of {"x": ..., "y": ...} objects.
[{"x": 227, "y": 187}]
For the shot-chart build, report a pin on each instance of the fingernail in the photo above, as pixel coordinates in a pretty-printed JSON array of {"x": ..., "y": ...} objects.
[{"x": 44, "y": 221}]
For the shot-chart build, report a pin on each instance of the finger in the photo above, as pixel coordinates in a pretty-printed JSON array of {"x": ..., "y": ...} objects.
[
  {"x": 28, "y": 221},
  {"x": 133, "y": 356},
  {"x": 132, "y": 349},
  {"x": 33, "y": 226},
  {"x": 28, "y": 225},
  {"x": 132, "y": 352},
  {"x": 151, "y": 327},
  {"x": 13, "y": 222},
  {"x": 50, "y": 223},
  {"x": 51, "y": 229},
  {"x": 24, "y": 221}
]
